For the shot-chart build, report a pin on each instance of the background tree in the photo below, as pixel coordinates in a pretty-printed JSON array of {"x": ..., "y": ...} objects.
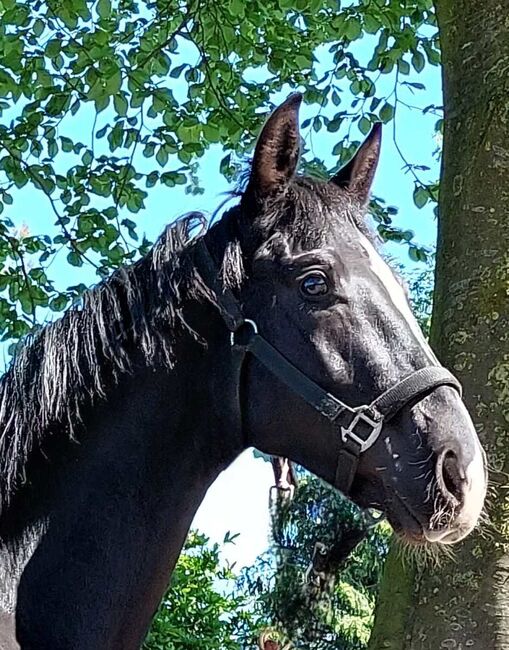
[
  {"x": 466, "y": 603},
  {"x": 201, "y": 610},
  {"x": 331, "y": 608}
]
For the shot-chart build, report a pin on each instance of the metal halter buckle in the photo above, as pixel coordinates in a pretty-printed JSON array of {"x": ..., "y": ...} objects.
[
  {"x": 364, "y": 442},
  {"x": 252, "y": 325}
]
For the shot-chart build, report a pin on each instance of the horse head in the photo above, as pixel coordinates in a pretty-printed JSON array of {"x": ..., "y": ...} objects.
[{"x": 342, "y": 379}]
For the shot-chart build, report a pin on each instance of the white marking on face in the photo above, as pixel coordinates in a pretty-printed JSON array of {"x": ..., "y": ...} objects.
[
  {"x": 397, "y": 295},
  {"x": 476, "y": 483}
]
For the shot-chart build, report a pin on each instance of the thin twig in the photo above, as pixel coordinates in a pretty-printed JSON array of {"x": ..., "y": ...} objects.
[
  {"x": 18, "y": 254},
  {"x": 408, "y": 165}
]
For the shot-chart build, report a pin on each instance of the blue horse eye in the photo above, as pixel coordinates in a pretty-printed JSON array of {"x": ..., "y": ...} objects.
[{"x": 314, "y": 284}]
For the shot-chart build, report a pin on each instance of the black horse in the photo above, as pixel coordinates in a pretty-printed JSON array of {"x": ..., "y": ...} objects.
[{"x": 280, "y": 328}]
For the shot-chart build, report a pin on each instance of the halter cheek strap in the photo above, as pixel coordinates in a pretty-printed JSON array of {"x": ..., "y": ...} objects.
[{"x": 358, "y": 427}]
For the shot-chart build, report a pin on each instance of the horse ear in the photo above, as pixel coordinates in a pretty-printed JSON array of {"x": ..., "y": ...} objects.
[
  {"x": 357, "y": 175},
  {"x": 277, "y": 151}
]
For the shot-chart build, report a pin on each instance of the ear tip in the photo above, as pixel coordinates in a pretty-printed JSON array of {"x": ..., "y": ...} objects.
[
  {"x": 357, "y": 175},
  {"x": 376, "y": 131},
  {"x": 295, "y": 99},
  {"x": 292, "y": 102},
  {"x": 277, "y": 151}
]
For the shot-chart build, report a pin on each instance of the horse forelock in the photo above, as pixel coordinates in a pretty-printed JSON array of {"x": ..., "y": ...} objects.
[{"x": 309, "y": 214}]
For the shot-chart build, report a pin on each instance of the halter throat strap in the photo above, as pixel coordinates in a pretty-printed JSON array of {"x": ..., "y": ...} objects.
[{"x": 359, "y": 427}]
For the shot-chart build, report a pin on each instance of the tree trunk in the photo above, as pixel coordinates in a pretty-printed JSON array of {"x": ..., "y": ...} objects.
[{"x": 464, "y": 604}]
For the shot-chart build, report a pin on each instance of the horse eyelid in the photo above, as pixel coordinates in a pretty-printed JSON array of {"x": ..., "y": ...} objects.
[{"x": 301, "y": 273}]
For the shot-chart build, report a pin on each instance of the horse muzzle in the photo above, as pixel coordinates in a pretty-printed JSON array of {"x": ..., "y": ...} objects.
[{"x": 462, "y": 490}]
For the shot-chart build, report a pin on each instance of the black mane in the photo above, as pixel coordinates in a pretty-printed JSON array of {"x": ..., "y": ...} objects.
[{"x": 74, "y": 360}]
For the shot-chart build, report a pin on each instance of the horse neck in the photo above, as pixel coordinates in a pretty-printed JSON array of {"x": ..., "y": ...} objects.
[{"x": 122, "y": 502}]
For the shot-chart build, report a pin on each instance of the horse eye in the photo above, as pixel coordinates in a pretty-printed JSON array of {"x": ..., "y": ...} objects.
[{"x": 314, "y": 284}]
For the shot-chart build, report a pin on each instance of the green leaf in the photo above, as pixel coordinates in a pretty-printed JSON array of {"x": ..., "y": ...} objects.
[
  {"x": 114, "y": 83},
  {"x": 131, "y": 228},
  {"x": 403, "y": 66},
  {"x": 432, "y": 54},
  {"x": 52, "y": 48},
  {"x": 75, "y": 259},
  {"x": 162, "y": 156},
  {"x": 355, "y": 87},
  {"x": 418, "y": 61},
  {"x": 386, "y": 113},
  {"x": 57, "y": 104},
  {"x": 371, "y": 24},
  {"x": 104, "y": 9},
  {"x": 148, "y": 150},
  {"x": 353, "y": 29},
  {"x": 421, "y": 196},
  {"x": 337, "y": 149},
  {"x": 168, "y": 179},
  {"x": 152, "y": 179},
  {"x": 60, "y": 302},
  {"x": 101, "y": 103},
  {"x": 364, "y": 125},
  {"x": 38, "y": 27},
  {"x": 211, "y": 132},
  {"x": 87, "y": 158},
  {"x": 413, "y": 253},
  {"x": 116, "y": 136},
  {"x": 52, "y": 148},
  {"x": 67, "y": 144},
  {"x": 120, "y": 104}
]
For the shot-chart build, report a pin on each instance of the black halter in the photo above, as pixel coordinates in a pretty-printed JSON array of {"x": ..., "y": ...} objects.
[{"x": 358, "y": 427}]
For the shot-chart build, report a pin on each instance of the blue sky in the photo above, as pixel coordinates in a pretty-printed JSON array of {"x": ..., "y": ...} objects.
[{"x": 239, "y": 498}]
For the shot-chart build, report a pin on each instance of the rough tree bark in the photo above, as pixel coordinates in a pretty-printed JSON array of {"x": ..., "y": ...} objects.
[{"x": 465, "y": 603}]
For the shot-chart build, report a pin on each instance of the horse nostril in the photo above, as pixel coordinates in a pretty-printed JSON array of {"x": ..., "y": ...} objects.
[{"x": 450, "y": 475}]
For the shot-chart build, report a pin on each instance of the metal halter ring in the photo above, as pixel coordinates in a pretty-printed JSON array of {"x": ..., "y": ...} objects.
[
  {"x": 240, "y": 329},
  {"x": 363, "y": 415}
]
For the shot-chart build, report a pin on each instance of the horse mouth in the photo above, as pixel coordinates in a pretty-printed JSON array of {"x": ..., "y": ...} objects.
[
  {"x": 405, "y": 522},
  {"x": 400, "y": 515},
  {"x": 408, "y": 524}
]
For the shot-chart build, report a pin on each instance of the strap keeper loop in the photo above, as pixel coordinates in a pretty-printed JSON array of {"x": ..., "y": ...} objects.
[{"x": 244, "y": 333}]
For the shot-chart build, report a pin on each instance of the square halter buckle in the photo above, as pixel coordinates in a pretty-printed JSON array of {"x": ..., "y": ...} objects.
[{"x": 364, "y": 428}]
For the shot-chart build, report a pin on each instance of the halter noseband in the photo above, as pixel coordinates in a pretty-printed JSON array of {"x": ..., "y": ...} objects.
[{"x": 358, "y": 426}]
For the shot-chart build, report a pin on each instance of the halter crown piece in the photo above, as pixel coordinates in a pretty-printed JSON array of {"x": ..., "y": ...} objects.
[{"x": 358, "y": 427}]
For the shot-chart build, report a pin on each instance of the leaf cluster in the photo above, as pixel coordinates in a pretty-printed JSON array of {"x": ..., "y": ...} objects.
[
  {"x": 103, "y": 102},
  {"x": 201, "y": 610}
]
